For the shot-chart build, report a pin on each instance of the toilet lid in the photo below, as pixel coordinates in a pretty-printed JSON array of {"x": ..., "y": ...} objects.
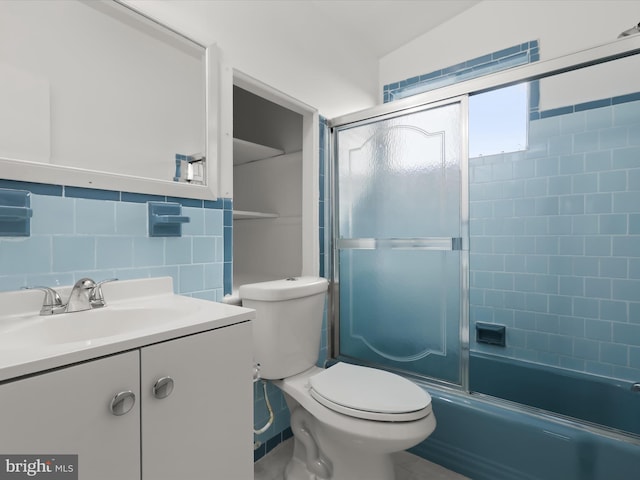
[{"x": 369, "y": 393}]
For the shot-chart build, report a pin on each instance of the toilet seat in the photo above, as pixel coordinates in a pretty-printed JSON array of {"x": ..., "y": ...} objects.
[{"x": 370, "y": 394}]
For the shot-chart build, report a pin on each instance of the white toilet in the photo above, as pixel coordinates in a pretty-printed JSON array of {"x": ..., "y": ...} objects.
[{"x": 347, "y": 420}]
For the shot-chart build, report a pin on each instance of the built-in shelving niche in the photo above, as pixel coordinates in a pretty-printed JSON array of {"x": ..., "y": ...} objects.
[
  {"x": 246, "y": 152},
  {"x": 245, "y": 215}
]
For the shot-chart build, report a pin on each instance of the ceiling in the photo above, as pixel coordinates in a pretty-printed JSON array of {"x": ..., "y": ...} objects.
[
  {"x": 375, "y": 26},
  {"x": 302, "y": 46},
  {"x": 382, "y": 26}
]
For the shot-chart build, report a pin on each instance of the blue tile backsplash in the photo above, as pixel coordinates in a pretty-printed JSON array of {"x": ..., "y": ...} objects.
[
  {"x": 555, "y": 240},
  {"x": 102, "y": 234},
  {"x": 324, "y": 259}
]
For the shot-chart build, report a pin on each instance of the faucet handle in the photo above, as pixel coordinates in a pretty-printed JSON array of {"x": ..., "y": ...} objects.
[
  {"x": 97, "y": 297},
  {"x": 51, "y": 300}
]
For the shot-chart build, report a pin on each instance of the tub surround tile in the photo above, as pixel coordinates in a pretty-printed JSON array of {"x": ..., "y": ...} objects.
[{"x": 577, "y": 256}]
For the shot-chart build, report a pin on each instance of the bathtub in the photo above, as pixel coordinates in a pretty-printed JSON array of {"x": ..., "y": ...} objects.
[
  {"x": 596, "y": 399},
  {"x": 488, "y": 439}
]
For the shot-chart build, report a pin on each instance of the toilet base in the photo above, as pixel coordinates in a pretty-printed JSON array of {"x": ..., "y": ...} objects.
[
  {"x": 321, "y": 453},
  {"x": 312, "y": 462},
  {"x": 296, "y": 470}
]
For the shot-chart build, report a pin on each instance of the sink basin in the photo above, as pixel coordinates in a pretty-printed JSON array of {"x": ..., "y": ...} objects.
[{"x": 88, "y": 326}]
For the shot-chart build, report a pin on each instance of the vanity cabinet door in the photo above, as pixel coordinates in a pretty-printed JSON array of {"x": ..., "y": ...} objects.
[
  {"x": 200, "y": 427},
  {"x": 67, "y": 411}
]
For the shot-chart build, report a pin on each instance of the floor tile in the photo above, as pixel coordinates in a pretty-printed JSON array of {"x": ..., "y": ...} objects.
[{"x": 407, "y": 466}]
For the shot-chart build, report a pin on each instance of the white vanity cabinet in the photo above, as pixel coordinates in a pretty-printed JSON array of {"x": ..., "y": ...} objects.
[
  {"x": 67, "y": 411},
  {"x": 201, "y": 429}
]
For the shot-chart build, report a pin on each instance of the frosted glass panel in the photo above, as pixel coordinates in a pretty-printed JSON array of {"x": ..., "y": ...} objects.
[
  {"x": 401, "y": 308},
  {"x": 401, "y": 177},
  {"x": 398, "y": 209}
]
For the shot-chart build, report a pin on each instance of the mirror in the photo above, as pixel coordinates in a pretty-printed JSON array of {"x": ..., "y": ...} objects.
[{"x": 97, "y": 95}]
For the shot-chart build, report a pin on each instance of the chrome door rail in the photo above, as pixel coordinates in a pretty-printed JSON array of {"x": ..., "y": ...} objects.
[{"x": 418, "y": 243}]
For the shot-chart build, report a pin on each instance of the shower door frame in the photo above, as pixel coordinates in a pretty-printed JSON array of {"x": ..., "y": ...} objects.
[
  {"x": 433, "y": 243},
  {"x": 614, "y": 50}
]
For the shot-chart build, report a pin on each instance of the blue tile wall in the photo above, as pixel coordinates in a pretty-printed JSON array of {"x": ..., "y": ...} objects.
[
  {"x": 227, "y": 247},
  {"x": 596, "y": 117},
  {"x": 476, "y": 67},
  {"x": 280, "y": 430},
  {"x": 324, "y": 161},
  {"x": 555, "y": 240},
  {"x": 324, "y": 230},
  {"x": 79, "y": 232}
]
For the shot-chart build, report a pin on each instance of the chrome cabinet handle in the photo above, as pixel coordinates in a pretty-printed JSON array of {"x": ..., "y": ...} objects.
[
  {"x": 163, "y": 387},
  {"x": 122, "y": 403}
]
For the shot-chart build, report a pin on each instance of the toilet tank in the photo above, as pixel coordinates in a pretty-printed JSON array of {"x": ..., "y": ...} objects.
[{"x": 288, "y": 324}]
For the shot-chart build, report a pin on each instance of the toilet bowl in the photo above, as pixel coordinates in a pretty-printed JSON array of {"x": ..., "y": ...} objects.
[
  {"x": 346, "y": 420},
  {"x": 353, "y": 434}
]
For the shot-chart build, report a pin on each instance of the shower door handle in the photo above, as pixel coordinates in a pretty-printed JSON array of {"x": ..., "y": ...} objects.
[{"x": 407, "y": 243}]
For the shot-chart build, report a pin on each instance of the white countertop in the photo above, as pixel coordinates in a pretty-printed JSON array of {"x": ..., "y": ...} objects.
[{"x": 146, "y": 300}]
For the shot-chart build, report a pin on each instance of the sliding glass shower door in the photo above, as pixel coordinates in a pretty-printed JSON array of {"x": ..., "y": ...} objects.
[{"x": 400, "y": 250}]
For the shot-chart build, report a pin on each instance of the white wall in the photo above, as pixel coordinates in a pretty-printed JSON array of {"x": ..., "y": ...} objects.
[
  {"x": 596, "y": 82},
  {"x": 561, "y": 26},
  {"x": 269, "y": 247},
  {"x": 25, "y": 130},
  {"x": 304, "y": 60},
  {"x": 258, "y": 120},
  {"x": 329, "y": 73}
]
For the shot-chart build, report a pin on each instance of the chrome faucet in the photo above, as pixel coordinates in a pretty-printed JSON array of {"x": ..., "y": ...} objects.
[
  {"x": 85, "y": 295},
  {"x": 80, "y": 298}
]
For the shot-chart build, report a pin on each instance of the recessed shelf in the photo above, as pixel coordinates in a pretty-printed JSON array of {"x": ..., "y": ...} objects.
[
  {"x": 245, "y": 215},
  {"x": 245, "y": 152}
]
